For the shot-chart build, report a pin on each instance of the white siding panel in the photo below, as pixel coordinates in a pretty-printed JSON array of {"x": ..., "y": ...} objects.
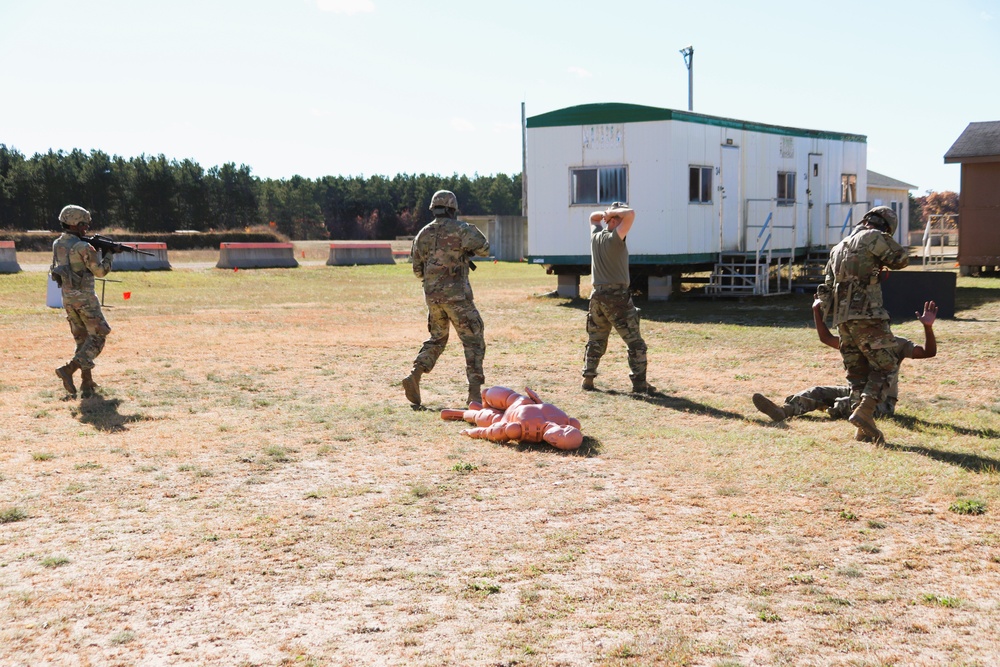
[{"x": 658, "y": 155}]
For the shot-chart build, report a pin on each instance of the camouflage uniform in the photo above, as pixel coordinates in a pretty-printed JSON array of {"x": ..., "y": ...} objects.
[
  {"x": 852, "y": 295},
  {"x": 76, "y": 264},
  {"x": 838, "y": 401},
  {"x": 440, "y": 255},
  {"x": 611, "y": 305}
]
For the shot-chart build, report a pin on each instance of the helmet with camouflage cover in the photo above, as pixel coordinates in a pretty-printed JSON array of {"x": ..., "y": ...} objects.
[
  {"x": 73, "y": 215},
  {"x": 883, "y": 216},
  {"x": 444, "y": 199}
]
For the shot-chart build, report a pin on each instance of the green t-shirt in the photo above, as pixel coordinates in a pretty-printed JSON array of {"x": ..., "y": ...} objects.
[{"x": 608, "y": 258}]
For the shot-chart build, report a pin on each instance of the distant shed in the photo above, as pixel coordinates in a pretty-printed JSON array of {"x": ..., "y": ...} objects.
[
  {"x": 507, "y": 234},
  {"x": 886, "y": 191},
  {"x": 978, "y": 151}
]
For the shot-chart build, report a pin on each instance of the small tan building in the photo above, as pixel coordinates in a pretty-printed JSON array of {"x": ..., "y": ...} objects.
[
  {"x": 978, "y": 151},
  {"x": 886, "y": 191}
]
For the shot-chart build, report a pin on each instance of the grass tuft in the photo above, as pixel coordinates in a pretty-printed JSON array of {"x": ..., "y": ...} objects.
[
  {"x": 12, "y": 514},
  {"x": 54, "y": 561},
  {"x": 941, "y": 600},
  {"x": 968, "y": 506},
  {"x": 123, "y": 637}
]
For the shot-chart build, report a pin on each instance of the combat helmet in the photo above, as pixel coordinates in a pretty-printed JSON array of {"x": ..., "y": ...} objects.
[
  {"x": 444, "y": 199},
  {"x": 885, "y": 215},
  {"x": 73, "y": 215}
]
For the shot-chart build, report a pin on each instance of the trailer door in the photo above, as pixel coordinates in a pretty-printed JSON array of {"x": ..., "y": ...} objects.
[
  {"x": 817, "y": 208},
  {"x": 729, "y": 195}
]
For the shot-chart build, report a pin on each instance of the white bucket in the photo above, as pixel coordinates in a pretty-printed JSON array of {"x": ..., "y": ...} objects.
[{"x": 53, "y": 297}]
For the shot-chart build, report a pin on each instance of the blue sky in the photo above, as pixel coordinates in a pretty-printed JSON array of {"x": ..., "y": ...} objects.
[{"x": 363, "y": 87}]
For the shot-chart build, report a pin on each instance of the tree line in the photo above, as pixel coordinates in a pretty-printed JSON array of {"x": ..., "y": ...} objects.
[{"x": 156, "y": 194}]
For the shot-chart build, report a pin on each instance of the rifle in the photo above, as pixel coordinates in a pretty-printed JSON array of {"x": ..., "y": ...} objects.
[{"x": 106, "y": 245}]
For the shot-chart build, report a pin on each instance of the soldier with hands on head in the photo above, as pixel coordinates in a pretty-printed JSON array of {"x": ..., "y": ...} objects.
[
  {"x": 838, "y": 400},
  {"x": 441, "y": 255},
  {"x": 852, "y": 296},
  {"x": 75, "y": 264},
  {"x": 611, "y": 304}
]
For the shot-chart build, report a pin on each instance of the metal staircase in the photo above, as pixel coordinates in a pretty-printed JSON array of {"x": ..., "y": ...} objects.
[
  {"x": 811, "y": 273},
  {"x": 761, "y": 272},
  {"x": 749, "y": 274}
]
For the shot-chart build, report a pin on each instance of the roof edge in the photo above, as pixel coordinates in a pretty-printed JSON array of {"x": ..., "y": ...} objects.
[{"x": 616, "y": 112}]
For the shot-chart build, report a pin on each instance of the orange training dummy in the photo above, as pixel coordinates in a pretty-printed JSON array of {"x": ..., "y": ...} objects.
[{"x": 506, "y": 415}]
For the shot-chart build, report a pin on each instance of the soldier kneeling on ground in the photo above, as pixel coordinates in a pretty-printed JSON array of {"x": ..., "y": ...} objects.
[{"x": 838, "y": 401}]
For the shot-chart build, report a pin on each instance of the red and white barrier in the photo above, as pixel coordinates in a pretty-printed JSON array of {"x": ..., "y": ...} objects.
[{"x": 8, "y": 258}]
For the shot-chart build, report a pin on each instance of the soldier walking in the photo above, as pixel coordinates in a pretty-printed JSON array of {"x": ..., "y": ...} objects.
[
  {"x": 75, "y": 264},
  {"x": 441, "y": 255},
  {"x": 852, "y": 295},
  {"x": 611, "y": 301}
]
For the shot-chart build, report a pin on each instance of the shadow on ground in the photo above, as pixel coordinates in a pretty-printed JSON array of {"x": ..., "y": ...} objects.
[
  {"x": 787, "y": 310},
  {"x": 969, "y": 298},
  {"x": 679, "y": 404},
  {"x": 590, "y": 448},
  {"x": 102, "y": 414},
  {"x": 971, "y": 462},
  {"x": 917, "y": 424}
]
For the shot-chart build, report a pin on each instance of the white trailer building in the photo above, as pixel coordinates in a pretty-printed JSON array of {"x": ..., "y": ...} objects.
[{"x": 742, "y": 199}]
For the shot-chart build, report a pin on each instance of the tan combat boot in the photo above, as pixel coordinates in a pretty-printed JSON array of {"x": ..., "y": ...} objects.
[
  {"x": 65, "y": 373},
  {"x": 640, "y": 386},
  {"x": 777, "y": 413},
  {"x": 475, "y": 394},
  {"x": 588, "y": 383},
  {"x": 864, "y": 418},
  {"x": 411, "y": 386},
  {"x": 87, "y": 385}
]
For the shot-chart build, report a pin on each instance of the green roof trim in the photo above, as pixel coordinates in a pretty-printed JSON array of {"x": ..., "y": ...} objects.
[{"x": 613, "y": 112}]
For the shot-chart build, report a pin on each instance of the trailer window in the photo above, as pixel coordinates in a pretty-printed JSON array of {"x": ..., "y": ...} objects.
[
  {"x": 600, "y": 185},
  {"x": 848, "y": 188},
  {"x": 700, "y": 185},
  {"x": 786, "y": 188}
]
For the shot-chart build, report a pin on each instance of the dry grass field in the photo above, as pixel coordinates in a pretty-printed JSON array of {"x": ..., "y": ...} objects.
[{"x": 250, "y": 487}]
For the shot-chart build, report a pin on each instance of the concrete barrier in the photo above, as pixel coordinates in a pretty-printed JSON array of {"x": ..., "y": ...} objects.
[
  {"x": 8, "y": 258},
  {"x": 347, "y": 253},
  {"x": 131, "y": 261},
  {"x": 256, "y": 256}
]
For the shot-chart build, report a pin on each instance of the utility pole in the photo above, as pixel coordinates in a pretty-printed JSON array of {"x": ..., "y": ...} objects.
[
  {"x": 688, "y": 53},
  {"x": 524, "y": 163}
]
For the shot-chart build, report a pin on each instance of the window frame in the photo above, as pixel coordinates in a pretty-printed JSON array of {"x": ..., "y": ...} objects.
[
  {"x": 786, "y": 182},
  {"x": 598, "y": 187},
  {"x": 848, "y": 188},
  {"x": 703, "y": 189}
]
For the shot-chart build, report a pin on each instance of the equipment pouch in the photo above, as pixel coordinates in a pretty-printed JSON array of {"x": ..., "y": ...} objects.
[{"x": 63, "y": 275}]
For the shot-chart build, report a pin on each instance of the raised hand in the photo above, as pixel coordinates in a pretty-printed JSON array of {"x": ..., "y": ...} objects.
[{"x": 929, "y": 315}]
